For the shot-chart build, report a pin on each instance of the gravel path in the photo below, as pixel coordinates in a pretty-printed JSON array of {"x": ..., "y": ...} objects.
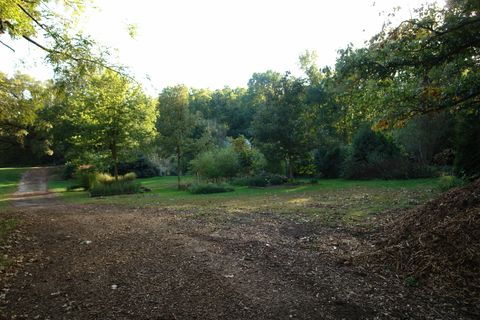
[{"x": 32, "y": 188}]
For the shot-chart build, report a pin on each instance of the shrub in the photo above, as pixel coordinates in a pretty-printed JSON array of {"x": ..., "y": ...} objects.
[
  {"x": 142, "y": 167},
  {"x": 373, "y": 155},
  {"x": 129, "y": 176},
  {"x": 206, "y": 188},
  {"x": 258, "y": 181},
  {"x": 216, "y": 164},
  {"x": 449, "y": 182},
  {"x": 467, "y": 150},
  {"x": 261, "y": 180},
  {"x": 88, "y": 180},
  {"x": 328, "y": 161},
  {"x": 115, "y": 188},
  {"x": 251, "y": 160},
  {"x": 68, "y": 171},
  {"x": 422, "y": 171}
]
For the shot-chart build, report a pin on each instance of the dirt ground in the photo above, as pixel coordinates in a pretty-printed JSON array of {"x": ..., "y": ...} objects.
[{"x": 110, "y": 262}]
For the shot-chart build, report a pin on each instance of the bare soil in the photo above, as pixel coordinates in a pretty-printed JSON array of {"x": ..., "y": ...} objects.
[
  {"x": 112, "y": 262},
  {"x": 89, "y": 262}
]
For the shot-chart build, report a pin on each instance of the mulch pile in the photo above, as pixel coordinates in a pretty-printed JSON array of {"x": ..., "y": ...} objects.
[{"x": 437, "y": 244}]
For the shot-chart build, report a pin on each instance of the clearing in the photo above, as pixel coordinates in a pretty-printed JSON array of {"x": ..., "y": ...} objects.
[{"x": 276, "y": 253}]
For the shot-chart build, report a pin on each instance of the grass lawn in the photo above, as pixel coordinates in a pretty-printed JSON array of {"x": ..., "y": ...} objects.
[
  {"x": 330, "y": 201},
  {"x": 9, "y": 178}
]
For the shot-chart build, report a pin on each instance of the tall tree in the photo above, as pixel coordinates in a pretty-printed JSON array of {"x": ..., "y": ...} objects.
[
  {"x": 279, "y": 126},
  {"x": 175, "y": 123},
  {"x": 110, "y": 117}
]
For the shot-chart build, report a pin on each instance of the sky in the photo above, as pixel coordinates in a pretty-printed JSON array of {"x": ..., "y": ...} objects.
[{"x": 217, "y": 43}]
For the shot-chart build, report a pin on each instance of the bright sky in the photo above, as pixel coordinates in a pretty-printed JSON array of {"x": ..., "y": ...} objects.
[{"x": 217, "y": 43}]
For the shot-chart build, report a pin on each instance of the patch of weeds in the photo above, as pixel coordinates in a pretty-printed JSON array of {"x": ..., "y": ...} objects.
[
  {"x": 449, "y": 182},
  {"x": 410, "y": 282},
  {"x": 115, "y": 188}
]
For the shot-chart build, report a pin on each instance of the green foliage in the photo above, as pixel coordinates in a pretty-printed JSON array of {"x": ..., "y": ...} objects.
[
  {"x": 22, "y": 132},
  {"x": 206, "y": 188},
  {"x": 467, "y": 146},
  {"x": 142, "y": 167},
  {"x": 279, "y": 127},
  {"x": 424, "y": 65},
  {"x": 84, "y": 178},
  {"x": 217, "y": 164},
  {"x": 449, "y": 182},
  {"x": 329, "y": 160},
  {"x": 425, "y": 136},
  {"x": 252, "y": 161},
  {"x": 261, "y": 180},
  {"x": 175, "y": 124},
  {"x": 68, "y": 171},
  {"x": 111, "y": 188},
  {"x": 373, "y": 155},
  {"x": 9, "y": 178},
  {"x": 87, "y": 178},
  {"x": 109, "y": 119},
  {"x": 103, "y": 184}
]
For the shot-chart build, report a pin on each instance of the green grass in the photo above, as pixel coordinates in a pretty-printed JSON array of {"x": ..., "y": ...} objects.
[
  {"x": 9, "y": 178},
  {"x": 331, "y": 201},
  {"x": 57, "y": 184}
]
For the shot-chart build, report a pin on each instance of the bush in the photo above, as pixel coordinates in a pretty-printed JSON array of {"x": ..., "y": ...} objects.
[
  {"x": 261, "y": 180},
  {"x": 422, "y": 171},
  {"x": 373, "y": 155},
  {"x": 467, "y": 150},
  {"x": 206, "y": 188},
  {"x": 85, "y": 177},
  {"x": 216, "y": 164},
  {"x": 328, "y": 161},
  {"x": 449, "y": 182},
  {"x": 88, "y": 180},
  {"x": 68, "y": 171},
  {"x": 115, "y": 188},
  {"x": 142, "y": 167},
  {"x": 251, "y": 160}
]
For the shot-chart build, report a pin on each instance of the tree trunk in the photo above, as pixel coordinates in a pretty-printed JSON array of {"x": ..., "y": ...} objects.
[
  {"x": 115, "y": 161},
  {"x": 179, "y": 169},
  {"x": 288, "y": 169}
]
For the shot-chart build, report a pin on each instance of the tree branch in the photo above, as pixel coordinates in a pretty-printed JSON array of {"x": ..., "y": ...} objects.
[{"x": 6, "y": 45}]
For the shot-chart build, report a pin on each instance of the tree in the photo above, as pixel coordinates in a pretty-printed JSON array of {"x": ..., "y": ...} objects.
[
  {"x": 424, "y": 65},
  {"x": 55, "y": 34},
  {"x": 175, "y": 123},
  {"x": 217, "y": 164},
  {"x": 22, "y": 132},
  {"x": 373, "y": 155},
  {"x": 110, "y": 117},
  {"x": 279, "y": 126}
]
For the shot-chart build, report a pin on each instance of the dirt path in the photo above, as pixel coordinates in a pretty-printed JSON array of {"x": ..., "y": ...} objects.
[
  {"x": 32, "y": 189},
  {"x": 106, "y": 262}
]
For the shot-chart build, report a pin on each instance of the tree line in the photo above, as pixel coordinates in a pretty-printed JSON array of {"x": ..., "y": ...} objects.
[{"x": 403, "y": 106}]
